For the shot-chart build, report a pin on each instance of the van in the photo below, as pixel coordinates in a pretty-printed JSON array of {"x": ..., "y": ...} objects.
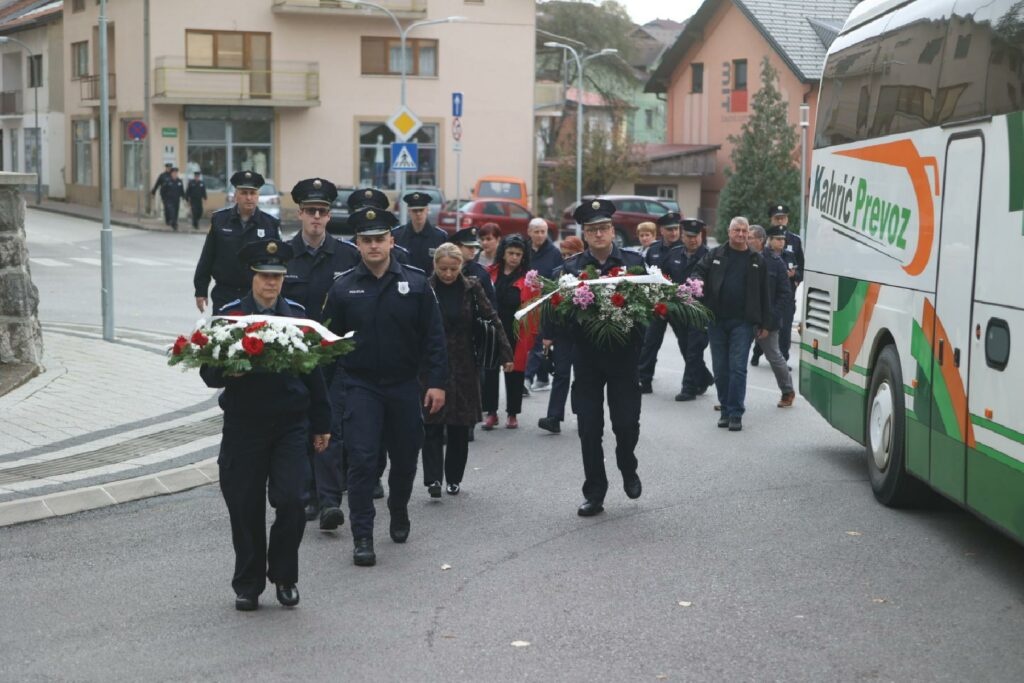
[{"x": 502, "y": 187}]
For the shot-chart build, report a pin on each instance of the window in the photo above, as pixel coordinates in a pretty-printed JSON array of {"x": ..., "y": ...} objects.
[
  {"x": 82, "y": 153},
  {"x": 77, "y": 5},
  {"x": 222, "y": 140},
  {"x": 79, "y": 60},
  {"x": 131, "y": 159},
  {"x": 963, "y": 46},
  {"x": 15, "y": 165},
  {"x": 738, "y": 96},
  {"x": 31, "y": 150},
  {"x": 383, "y": 56},
  {"x": 375, "y": 156},
  {"x": 649, "y": 118},
  {"x": 35, "y": 71},
  {"x": 697, "y": 78},
  {"x": 227, "y": 50}
]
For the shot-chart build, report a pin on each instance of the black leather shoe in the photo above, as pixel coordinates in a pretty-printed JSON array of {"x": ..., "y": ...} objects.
[
  {"x": 755, "y": 361},
  {"x": 378, "y": 490},
  {"x": 453, "y": 489},
  {"x": 723, "y": 422},
  {"x": 247, "y": 603},
  {"x": 646, "y": 387},
  {"x": 631, "y": 485},
  {"x": 703, "y": 390},
  {"x": 363, "y": 555},
  {"x": 434, "y": 489},
  {"x": 550, "y": 424},
  {"x": 589, "y": 509},
  {"x": 735, "y": 424},
  {"x": 400, "y": 524},
  {"x": 683, "y": 396},
  {"x": 288, "y": 595},
  {"x": 312, "y": 511},
  {"x": 331, "y": 518}
]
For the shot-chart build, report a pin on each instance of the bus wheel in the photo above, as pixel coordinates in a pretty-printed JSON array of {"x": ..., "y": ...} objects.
[{"x": 885, "y": 435}]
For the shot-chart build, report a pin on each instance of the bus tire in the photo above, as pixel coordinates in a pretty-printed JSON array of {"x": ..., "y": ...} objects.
[{"x": 885, "y": 435}]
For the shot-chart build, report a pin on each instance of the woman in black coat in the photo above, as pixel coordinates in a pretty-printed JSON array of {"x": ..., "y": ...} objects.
[{"x": 461, "y": 300}]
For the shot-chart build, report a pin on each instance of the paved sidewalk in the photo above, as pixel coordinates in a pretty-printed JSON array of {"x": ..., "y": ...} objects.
[
  {"x": 126, "y": 220},
  {"x": 105, "y": 422}
]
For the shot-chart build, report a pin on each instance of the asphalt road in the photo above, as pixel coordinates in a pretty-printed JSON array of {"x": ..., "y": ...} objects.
[{"x": 752, "y": 556}]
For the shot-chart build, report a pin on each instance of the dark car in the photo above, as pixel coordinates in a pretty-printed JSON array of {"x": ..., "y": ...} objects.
[
  {"x": 510, "y": 216},
  {"x": 630, "y": 211}
]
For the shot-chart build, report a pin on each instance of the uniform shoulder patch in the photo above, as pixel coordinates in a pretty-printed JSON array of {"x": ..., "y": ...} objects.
[
  {"x": 295, "y": 304},
  {"x": 223, "y": 309},
  {"x": 413, "y": 269},
  {"x": 400, "y": 248}
]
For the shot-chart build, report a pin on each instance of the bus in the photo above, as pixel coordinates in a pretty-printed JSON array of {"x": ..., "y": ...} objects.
[{"x": 913, "y": 327}]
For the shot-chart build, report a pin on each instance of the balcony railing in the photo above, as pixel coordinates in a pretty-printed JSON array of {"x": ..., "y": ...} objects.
[
  {"x": 90, "y": 87},
  {"x": 403, "y": 9},
  {"x": 10, "y": 103},
  {"x": 285, "y": 84}
]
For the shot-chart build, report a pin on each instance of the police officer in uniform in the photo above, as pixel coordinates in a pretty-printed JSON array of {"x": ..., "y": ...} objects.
[
  {"x": 171, "y": 192},
  {"x": 267, "y": 420},
  {"x": 164, "y": 176},
  {"x": 595, "y": 367},
  {"x": 793, "y": 257},
  {"x": 657, "y": 255},
  {"x": 418, "y": 236},
  {"x": 398, "y": 333},
  {"x": 468, "y": 242},
  {"x": 373, "y": 198},
  {"x": 230, "y": 230},
  {"x": 319, "y": 259},
  {"x": 196, "y": 193},
  {"x": 679, "y": 265}
]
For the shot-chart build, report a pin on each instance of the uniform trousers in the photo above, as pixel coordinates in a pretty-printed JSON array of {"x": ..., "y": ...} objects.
[
  {"x": 197, "y": 213},
  {"x": 261, "y": 459},
  {"x": 513, "y": 391},
  {"x": 376, "y": 416},
  {"x": 730, "y": 348},
  {"x": 447, "y": 458},
  {"x": 593, "y": 370},
  {"x": 328, "y": 476},
  {"x": 171, "y": 212},
  {"x": 692, "y": 342},
  {"x": 536, "y": 364},
  {"x": 561, "y": 378}
]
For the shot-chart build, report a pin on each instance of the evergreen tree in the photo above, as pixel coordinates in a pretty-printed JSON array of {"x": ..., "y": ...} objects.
[{"x": 765, "y": 164}]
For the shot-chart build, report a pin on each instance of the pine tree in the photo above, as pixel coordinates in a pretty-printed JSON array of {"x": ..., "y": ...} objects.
[{"x": 765, "y": 165}]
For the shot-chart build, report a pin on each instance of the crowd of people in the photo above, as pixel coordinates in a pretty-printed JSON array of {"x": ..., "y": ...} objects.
[{"x": 415, "y": 384}]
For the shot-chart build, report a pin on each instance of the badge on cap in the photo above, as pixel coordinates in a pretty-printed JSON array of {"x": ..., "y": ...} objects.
[
  {"x": 416, "y": 195},
  {"x": 779, "y": 207},
  {"x": 403, "y": 288},
  {"x": 596, "y": 205},
  {"x": 271, "y": 248},
  {"x": 371, "y": 214},
  {"x": 248, "y": 174},
  {"x": 317, "y": 184},
  {"x": 368, "y": 194}
]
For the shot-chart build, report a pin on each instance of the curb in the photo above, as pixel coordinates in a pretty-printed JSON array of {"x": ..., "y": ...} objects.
[
  {"x": 114, "y": 493},
  {"x": 113, "y": 221}
]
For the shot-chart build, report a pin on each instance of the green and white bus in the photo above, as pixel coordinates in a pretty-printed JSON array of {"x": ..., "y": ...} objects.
[{"x": 913, "y": 338}]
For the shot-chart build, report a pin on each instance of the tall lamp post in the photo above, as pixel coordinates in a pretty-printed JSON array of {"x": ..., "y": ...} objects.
[
  {"x": 403, "y": 33},
  {"x": 35, "y": 97},
  {"x": 805, "y": 122},
  {"x": 579, "y": 109}
]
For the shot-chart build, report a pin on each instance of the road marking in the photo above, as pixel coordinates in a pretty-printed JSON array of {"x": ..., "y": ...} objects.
[
  {"x": 141, "y": 261},
  {"x": 49, "y": 262},
  {"x": 86, "y": 260}
]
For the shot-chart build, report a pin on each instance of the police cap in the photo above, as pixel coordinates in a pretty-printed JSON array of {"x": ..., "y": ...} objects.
[
  {"x": 778, "y": 210},
  {"x": 775, "y": 231},
  {"x": 368, "y": 197},
  {"x": 669, "y": 220},
  {"x": 692, "y": 226},
  {"x": 466, "y": 236},
  {"x": 249, "y": 180},
  {"x": 594, "y": 211},
  {"x": 370, "y": 220},
  {"x": 416, "y": 200},
  {"x": 266, "y": 256},
  {"x": 314, "y": 191}
]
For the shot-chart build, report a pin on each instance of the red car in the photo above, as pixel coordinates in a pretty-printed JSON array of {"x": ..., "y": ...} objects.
[
  {"x": 630, "y": 211},
  {"x": 510, "y": 216}
]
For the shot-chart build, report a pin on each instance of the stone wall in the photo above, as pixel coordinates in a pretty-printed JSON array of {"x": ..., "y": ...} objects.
[{"x": 21, "y": 338}]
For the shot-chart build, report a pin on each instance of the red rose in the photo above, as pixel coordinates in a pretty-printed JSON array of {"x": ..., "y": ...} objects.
[
  {"x": 584, "y": 276},
  {"x": 618, "y": 301},
  {"x": 556, "y": 299},
  {"x": 179, "y": 345},
  {"x": 306, "y": 330},
  {"x": 199, "y": 339},
  {"x": 324, "y": 342},
  {"x": 256, "y": 326},
  {"x": 617, "y": 271},
  {"x": 252, "y": 345},
  {"x": 661, "y": 309}
]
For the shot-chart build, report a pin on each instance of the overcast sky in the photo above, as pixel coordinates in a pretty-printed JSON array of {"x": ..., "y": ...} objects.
[{"x": 642, "y": 11}]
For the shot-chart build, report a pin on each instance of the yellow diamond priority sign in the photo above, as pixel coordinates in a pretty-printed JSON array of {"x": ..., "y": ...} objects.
[{"x": 404, "y": 124}]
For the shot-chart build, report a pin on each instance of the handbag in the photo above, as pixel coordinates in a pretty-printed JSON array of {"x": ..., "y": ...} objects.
[{"x": 485, "y": 338}]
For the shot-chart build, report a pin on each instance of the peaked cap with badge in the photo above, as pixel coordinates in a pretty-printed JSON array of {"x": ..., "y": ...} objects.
[
  {"x": 372, "y": 221},
  {"x": 671, "y": 219},
  {"x": 266, "y": 256},
  {"x": 594, "y": 211},
  {"x": 778, "y": 210},
  {"x": 467, "y": 236},
  {"x": 314, "y": 191},
  {"x": 692, "y": 226},
  {"x": 416, "y": 200},
  {"x": 775, "y": 231},
  {"x": 247, "y": 180},
  {"x": 368, "y": 197}
]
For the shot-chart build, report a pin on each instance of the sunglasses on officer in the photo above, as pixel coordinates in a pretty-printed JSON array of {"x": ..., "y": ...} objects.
[{"x": 316, "y": 211}]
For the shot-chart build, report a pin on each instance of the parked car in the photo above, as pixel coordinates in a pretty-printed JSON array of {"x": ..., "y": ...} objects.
[
  {"x": 510, "y": 216},
  {"x": 436, "y": 200},
  {"x": 338, "y": 225},
  {"x": 269, "y": 201},
  {"x": 630, "y": 211},
  {"x": 446, "y": 217},
  {"x": 501, "y": 187}
]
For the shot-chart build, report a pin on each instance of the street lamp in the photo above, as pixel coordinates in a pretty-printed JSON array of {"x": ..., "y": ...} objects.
[
  {"x": 805, "y": 122},
  {"x": 35, "y": 95},
  {"x": 579, "y": 110},
  {"x": 403, "y": 33}
]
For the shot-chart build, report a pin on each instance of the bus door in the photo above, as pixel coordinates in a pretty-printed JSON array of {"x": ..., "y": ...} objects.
[{"x": 948, "y": 324}]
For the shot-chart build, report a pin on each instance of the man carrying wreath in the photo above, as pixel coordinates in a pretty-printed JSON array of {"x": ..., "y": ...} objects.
[
  {"x": 595, "y": 367},
  {"x": 268, "y": 417}
]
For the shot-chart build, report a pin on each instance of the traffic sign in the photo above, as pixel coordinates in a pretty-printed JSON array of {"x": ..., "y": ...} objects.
[
  {"x": 457, "y": 99},
  {"x": 456, "y": 129},
  {"x": 404, "y": 124},
  {"x": 137, "y": 129},
  {"x": 405, "y": 156}
]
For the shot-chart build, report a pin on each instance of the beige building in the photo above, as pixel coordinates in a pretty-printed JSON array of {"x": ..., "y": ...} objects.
[{"x": 296, "y": 88}]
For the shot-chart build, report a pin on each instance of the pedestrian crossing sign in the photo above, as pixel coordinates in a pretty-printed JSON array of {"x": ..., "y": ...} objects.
[{"x": 405, "y": 156}]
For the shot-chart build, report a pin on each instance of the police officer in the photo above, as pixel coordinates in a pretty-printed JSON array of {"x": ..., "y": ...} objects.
[
  {"x": 230, "y": 230},
  {"x": 594, "y": 367},
  {"x": 267, "y": 419},
  {"x": 657, "y": 255},
  {"x": 163, "y": 177},
  {"x": 679, "y": 265},
  {"x": 196, "y": 193},
  {"x": 319, "y": 259},
  {"x": 373, "y": 198},
  {"x": 793, "y": 257},
  {"x": 469, "y": 243},
  {"x": 398, "y": 333},
  {"x": 171, "y": 192},
  {"x": 418, "y": 235}
]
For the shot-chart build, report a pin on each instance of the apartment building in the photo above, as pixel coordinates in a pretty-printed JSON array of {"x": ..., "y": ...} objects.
[{"x": 295, "y": 88}]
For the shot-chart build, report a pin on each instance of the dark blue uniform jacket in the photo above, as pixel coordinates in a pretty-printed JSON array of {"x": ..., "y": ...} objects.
[
  {"x": 226, "y": 238},
  {"x": 658, "y": 253},
  {"x": 420, "y": 245},
  {"x": 310, "y": 276},
  {"x": 780, "y": 291},
  {"x": 679, "y": 266}
]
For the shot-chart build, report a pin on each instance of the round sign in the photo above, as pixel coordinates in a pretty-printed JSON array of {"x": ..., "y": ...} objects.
[
  {"x": 457, "y": 129},
  {"x": 137, "y": 129}
]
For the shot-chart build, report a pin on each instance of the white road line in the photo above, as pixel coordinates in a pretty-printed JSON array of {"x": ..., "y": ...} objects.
[
  {"x": 86, "y": 260},
  {"x": 142, "y": 261},
  {"x": 49, "y": 262}
]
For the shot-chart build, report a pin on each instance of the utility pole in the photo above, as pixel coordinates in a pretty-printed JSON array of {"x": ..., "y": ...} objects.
[{"x": 106, "y": 235}]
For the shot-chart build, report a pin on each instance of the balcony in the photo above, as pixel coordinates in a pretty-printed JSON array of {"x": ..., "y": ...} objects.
[
  {"x": 403, "y": 9},
  {"x": 285, "y": 84},
  {"x": 10, "y": 103},
  {"x": 90, "y": 89}
]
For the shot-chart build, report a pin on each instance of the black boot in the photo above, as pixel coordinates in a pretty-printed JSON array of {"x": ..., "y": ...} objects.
[{"x": 363, "y": 555}]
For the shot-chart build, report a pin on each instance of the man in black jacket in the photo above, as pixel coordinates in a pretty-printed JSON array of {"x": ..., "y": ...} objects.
[
  {"x": 736, "y": 290},
  {"x": 196, "y": 193},
  {"x": 658, "y": 255},
  {"x": 171, "y": 192}
]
